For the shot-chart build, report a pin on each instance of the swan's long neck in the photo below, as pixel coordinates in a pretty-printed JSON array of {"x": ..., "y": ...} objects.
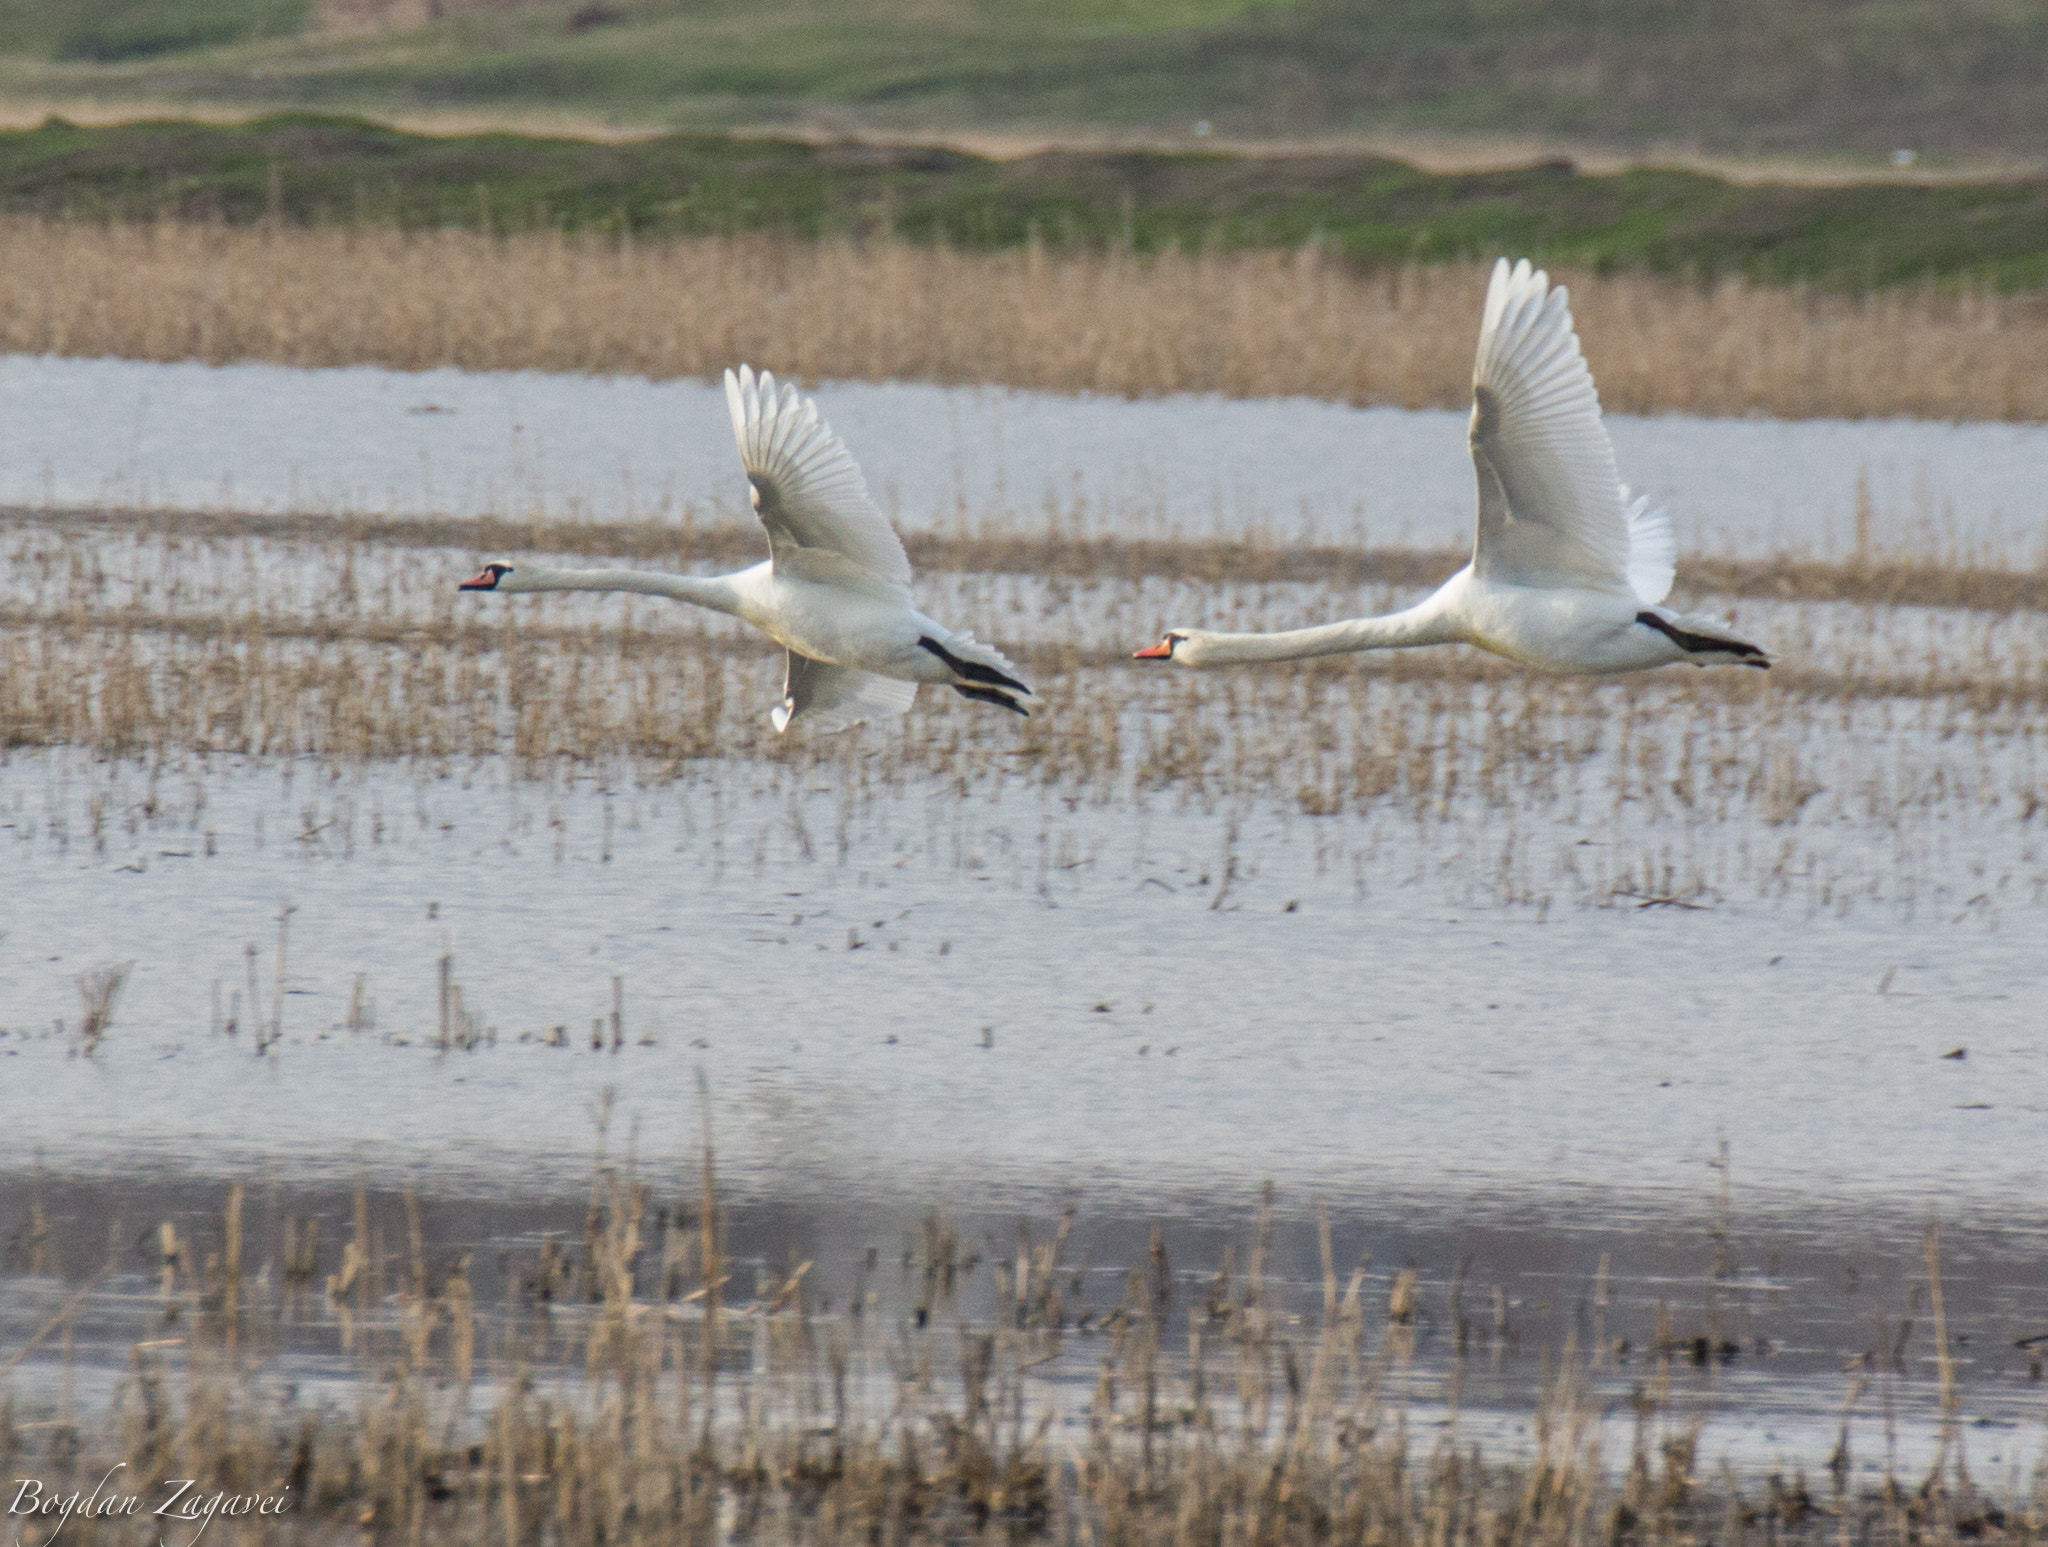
[
  {"x": 714, "y": 591},
  {"x": 1425, "y": 624}
]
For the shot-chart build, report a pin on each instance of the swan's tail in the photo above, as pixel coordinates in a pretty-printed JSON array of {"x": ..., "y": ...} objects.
[
  {"x": 981, "y": 672},
  {"x": 1705, "y": 642}
]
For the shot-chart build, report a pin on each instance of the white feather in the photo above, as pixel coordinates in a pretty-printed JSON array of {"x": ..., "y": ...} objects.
[
  {"x": 808, "y": 490},
  {"x": 1550, "y": 503},
  {"x": 1652, "y": 550}
]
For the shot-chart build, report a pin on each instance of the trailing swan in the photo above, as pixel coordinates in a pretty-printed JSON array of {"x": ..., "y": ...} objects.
[{"x": 1567, "y": 575}]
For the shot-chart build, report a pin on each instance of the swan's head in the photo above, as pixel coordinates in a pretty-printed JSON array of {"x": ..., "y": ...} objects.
[
  {"x": 1184, "y": 645},
  {"x": 490, "y": 578}
]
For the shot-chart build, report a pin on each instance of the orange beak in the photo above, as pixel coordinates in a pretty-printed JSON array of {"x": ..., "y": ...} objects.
[
  {"x": 486, "y": 580},
  {"x": 1163, "y": 651}
]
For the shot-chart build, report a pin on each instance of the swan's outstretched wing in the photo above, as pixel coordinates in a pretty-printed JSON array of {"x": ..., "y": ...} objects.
[
  {"x": 1652, "y": 550},
  {"x": 1550, "y": 504},
  {"x": 808, "y": 490},
  {"x": 830, "y": 698}
]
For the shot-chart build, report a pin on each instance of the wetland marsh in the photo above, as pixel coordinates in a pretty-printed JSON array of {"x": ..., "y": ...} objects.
[{"x": 1493, "y": 965}]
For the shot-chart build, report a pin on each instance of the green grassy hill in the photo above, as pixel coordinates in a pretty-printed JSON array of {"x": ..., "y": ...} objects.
[
  {"x": 1951, "y": 79},
  {"x": 310, "y": 169}
]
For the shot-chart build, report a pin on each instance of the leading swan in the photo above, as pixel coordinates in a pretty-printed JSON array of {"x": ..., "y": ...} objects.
[
  {"x": 1566, "y": 574},
  {"x": 835, "y": 590}
]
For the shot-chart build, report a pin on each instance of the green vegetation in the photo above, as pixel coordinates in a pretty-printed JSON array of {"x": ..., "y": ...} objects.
[
  {"x": 1834, "y": 78},
  {"x": 309, "y": 169},
  {"x": 109, "y": 31}
]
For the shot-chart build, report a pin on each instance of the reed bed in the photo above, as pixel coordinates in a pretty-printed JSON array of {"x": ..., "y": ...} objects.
[
  {"x": 628, "y": 1389},
  {"x": 1894, "y": 756},
  {"x": 1259, "y": 324},
  {"x": 1072, "y": 545},
  {"x": 1862, "y": 630}
]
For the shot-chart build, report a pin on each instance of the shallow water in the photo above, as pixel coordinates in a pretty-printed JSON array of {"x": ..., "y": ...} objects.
[
  {"x": 1466, "y": 1019},
  {"x": 1753, "y": 1329},
  {"x": 1349, "y": 1028},
  {"x": 260, "y": 437}
]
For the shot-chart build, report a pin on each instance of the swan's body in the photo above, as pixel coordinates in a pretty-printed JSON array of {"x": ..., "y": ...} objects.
[
  {"x": 835, "y": 591},
  {"x": 1566, "y": 574}
]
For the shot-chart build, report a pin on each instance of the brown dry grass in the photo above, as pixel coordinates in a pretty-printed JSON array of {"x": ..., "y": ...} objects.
[
  {"x": 1248, "y": 325},
  {"x": 1893, "y": 750},
  {"x": 632, "y": 1393},
  {"x": 1887, "y": 736},
  {"x": 1880, "y": 579}
]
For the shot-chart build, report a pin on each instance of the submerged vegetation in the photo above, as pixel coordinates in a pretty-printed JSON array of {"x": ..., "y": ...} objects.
[
  {"x": 1892, "y": 757},
  {"x": 650, "y": 1382}
]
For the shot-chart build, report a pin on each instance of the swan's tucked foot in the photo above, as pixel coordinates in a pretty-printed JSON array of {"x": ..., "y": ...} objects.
[
  {"x": 992, "y": 696},
  {"x": 831, "y": 698},
  {"x": 1695, "y": 642},
  {"x": 974, "y": 671}
]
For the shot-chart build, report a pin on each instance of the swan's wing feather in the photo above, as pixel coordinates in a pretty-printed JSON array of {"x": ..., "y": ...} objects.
[
  {"x": 1550, "y": 503},
  {"x": 830, "y": 698},
  {"x": 808, "y": 490},
  {"x": 1652, "y": 550}
]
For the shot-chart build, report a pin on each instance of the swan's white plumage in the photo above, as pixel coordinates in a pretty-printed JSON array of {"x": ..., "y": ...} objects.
[
  {"x": 1652, "y": 550},
  {"x": 835, "y": 591},
  {"x": 1567, "y": 572},
  {"x": 1550, "y": 502},
  {"x": 831, "y": 698},
  {"x": 808, "y": 490}
]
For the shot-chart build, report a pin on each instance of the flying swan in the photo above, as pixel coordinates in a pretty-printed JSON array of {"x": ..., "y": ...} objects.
[
  {"x": 835, "y": 590},
  {"x": 1567, "y": 574}
]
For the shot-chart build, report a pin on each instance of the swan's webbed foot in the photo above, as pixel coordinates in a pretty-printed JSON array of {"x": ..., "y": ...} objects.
[
  {"x": 973, "y": 671},
  {"x": 992, "y": 696},
  {"x": 1740, "y": 652}
]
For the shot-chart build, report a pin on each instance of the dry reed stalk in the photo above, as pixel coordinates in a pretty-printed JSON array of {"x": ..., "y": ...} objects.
[
  {"x": 98, "y": 991},
  {"x": 936, "y": 1428},
  {"x": 1244, "y": 324},
  {"x": 169, "y": 651},
  {"x": 129, "y": 684},
  {"x": 1898, "y": 580}
]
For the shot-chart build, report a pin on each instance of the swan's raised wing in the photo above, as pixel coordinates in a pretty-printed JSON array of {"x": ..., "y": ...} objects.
[
  {"x": 1652, "y": 550},
  {"x": 830, "y": 698},
  {"x": 1550, "y": 503},
  {"x": 808, "y": 490}
]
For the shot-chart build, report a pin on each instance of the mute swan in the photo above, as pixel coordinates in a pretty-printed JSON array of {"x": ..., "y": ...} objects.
[
  {"x": 835, "y": 590},
  {"x": 1566, "y": 575}
]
